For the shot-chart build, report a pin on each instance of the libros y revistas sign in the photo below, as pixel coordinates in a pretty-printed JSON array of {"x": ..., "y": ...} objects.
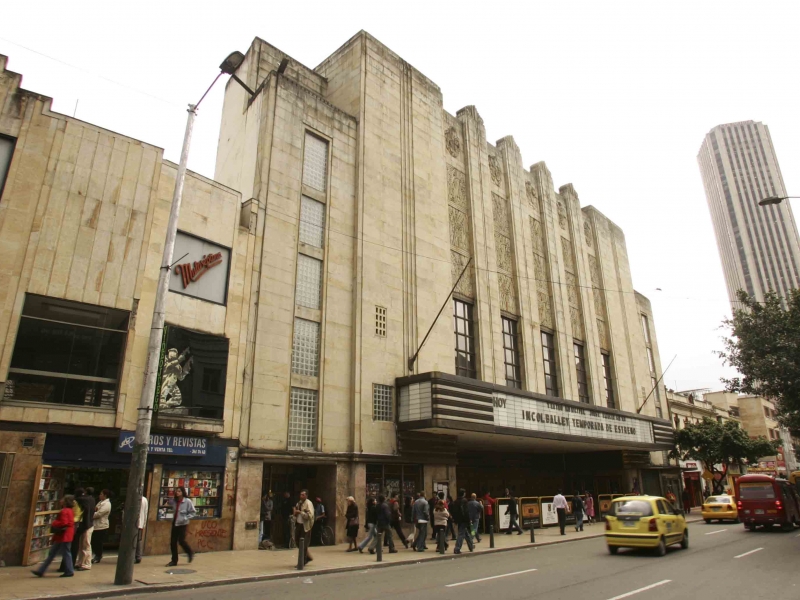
[{"x": 180, "y": 445}]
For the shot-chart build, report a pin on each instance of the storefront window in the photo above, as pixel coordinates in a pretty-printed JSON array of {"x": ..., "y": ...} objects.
[
  {"x": 406, "y": 480},
  {"x": 192, "y": 377},
  {"x": 202, "y": 488},
  {"x": 67, "y": 353}
]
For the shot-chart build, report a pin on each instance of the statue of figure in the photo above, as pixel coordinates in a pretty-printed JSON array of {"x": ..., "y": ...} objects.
[{"x": 176, "y": 368}]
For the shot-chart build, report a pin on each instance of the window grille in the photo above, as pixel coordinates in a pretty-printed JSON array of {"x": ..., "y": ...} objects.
[
  {"x": 382, "y": 405},
  {"x": 303, "y": 419}
]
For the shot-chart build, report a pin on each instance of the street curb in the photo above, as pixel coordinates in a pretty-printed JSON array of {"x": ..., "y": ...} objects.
[{"x": 171, "y": 587}]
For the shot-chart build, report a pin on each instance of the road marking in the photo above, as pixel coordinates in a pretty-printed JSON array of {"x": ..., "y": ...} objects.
[
  {"x": 492, "y": 577},
  {"x": 746, "y": 553},
  {"x": 644, "y": 589},
  {"x": 717, "y": 531}
]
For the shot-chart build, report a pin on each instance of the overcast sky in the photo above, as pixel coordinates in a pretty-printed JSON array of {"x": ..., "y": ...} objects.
[{"x": 615, "y": 97}]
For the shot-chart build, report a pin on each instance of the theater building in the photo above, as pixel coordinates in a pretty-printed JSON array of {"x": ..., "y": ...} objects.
[{"x": 322, "y": 347}]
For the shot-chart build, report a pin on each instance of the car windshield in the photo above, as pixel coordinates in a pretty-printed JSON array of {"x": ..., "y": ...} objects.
[
  {"x": 718, "y": 500},
  {"x": 637, "y": 508},
  {"x": 756, "y": 491}
]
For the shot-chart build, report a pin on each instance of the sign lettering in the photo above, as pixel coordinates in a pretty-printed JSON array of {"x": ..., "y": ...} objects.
[
  {"x": 166, "y": 444},
  {"x": 191, "y": 272}
]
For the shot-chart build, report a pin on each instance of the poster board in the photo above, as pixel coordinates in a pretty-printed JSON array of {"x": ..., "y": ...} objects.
[
  {"x": 502, "y": 520},
  {"x": 530, "y": 512}
]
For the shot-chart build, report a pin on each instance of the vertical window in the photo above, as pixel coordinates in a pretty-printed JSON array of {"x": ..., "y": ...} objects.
[
  {"x": 650, "y": 361},
  {"x": 549, "y": 362},
  {"x": 465, "y": 339},
  {"x": 646, "y": 329},
  {"x": 315, "y": 162},
  {"x": 380, "y": 321},
  {"x": 309, "y": 282},
  {"x": 511, "y": 353},
  {"x": 305, "y": 348},
  {"x": 6, "y": 152},
  {"x": 608, "y": 382},
  {"x": 67, "y": 353},
  {"x": 303, "y": 419},
  {"x": 656, "y": 396},
  {"x": 312, "y": 222},
  {"x": 382, "y": 405},
  {"x": 580, "y": 370}
]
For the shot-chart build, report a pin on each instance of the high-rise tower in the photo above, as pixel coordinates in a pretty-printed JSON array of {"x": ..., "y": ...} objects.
[{"x": 758, "y": 245}]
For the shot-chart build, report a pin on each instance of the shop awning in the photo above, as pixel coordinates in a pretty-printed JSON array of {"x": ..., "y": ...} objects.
[{"x": 487, "y": 415}]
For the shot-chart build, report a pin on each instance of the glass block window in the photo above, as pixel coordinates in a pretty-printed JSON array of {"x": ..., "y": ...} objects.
[
  {"x": 303, "y": 419},
  {"x": 382, "y": 405},
  {"x": 308, "y": 290},
  {"x": 380, "y": 321},
  {"x": 549, "y": 364},
  {"x": 315, "y": 162},
  {"x": 312, "y": 222},
  {"x": 608, "y": 384},
  {"x": 580, "y": 371},
  {"x": 511, "y": 354},
  {"x": 465, "y": 339},
  {"x": 305, "y": 348}
]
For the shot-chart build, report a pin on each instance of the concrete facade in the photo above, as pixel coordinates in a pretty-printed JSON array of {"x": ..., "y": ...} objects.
[
  {"x": 758, "y": 245},
  {"x": 360, "y": 201}
]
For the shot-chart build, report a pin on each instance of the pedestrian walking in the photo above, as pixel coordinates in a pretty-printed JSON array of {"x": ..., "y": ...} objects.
[
  {"x": 589, "y": 506},
  {"x": 450, "y": 527},
  {"x": 384, "y": 523},
  {"x": 267, "y": 506},
  {"x": 459, "y": 512},
  {"x": 62, "y": 529},
  {"x": 303, "y": 513},
  {"x": 420, "y": 514},
  {"x": 100, "y": 519},
  {"x": 440, "y": 518},
  {"x": 475, "y": 510},
  {"x": 182, "y": 511},
  {"x": 145, "y": 507},
  {"x": 371, "y": 527},
  {"x": 488, "y": 508},
  {"x": 512, "y": 510},
  {"x": 687, "y": 501},
  {"x": 560, "y": 504},
  {"x": 83, "y": 511},
  {"x": 397, "y": 519},
  {"x": 577, "y": 510},
  {"x": 320, "y": 516},
  {"x": 351, "y": 520}
]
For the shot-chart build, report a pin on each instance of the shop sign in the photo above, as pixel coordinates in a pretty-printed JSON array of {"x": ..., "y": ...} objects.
[
  {"x": 689, "y": 465},
  {"x": 179, "y": 445},
  {"x": 201, "y": 268},
  {"x": 531, "y": 414}
]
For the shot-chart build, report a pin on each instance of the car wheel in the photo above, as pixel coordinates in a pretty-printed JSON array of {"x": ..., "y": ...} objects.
[
  {"x": 707, "y": 520},
  {"x": 661, "y": 549},
  {"x": 750, "y": 527},
  {"x": 613, "y": 549},
  {"x": 787, "y": 526},
  {"x": 736, "y": 520},
  {"x": 685, "y": 540}
]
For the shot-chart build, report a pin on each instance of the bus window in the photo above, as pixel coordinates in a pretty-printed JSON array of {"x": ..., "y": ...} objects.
[{"x": 756, "y": 491}]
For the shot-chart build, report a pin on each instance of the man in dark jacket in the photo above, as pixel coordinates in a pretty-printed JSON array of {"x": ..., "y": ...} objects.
[
  {"x": 460, "y": 513},
  {"x": 82, "y": 525},
  {"x": 577, "y": 510},
  {"x": 385, "y": 522},
  {"x": 513, "y": 515},
  {"x": 397, "y": 518}
]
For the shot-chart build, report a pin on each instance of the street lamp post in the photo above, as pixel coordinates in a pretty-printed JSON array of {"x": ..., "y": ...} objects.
[
  {"x": 774, "y": 200},
  {"x": 133, "y": 498}
]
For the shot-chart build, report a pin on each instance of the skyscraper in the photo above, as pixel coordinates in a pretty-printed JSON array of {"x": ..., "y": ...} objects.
[{"x": 758, "y": 245}]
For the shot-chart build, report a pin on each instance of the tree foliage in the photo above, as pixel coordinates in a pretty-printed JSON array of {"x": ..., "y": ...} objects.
[
  {"x": 764, "y": 346},
  {"x": 719, "y": 446}
]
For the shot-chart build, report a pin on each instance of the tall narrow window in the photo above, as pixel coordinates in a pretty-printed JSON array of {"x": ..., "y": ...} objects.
[
  {"x": 6, "y": 152},
  {"x": 465, "y": 339},
  {"x": 511, "y": 354},
  {"x": 305, "y": 348},
  {"x": 303, "y": 419},
  {"x": 650, "y": 361},
  {"x": 646, "y": 329},
  {"x": 549, "y": 363},
  {"x": 312, "y": 222},
  {"x": 656, "y": 396},
  {"x": 309, "y": 281},
  {"x": 608, "y": 382},
  {"x": 380, "y": 321},
  {"x": 580, "y": 370},
  {"x": 315, "y": 162}
]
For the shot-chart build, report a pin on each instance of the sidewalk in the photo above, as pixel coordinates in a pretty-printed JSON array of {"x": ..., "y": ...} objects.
[{"x": 217, "y": 568}]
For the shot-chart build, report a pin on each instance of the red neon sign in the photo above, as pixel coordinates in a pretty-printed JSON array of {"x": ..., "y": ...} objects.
[{"x": 191, "y": 272}]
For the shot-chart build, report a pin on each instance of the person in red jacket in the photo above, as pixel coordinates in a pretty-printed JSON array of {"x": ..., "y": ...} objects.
[{"x": 63, "y": 529}]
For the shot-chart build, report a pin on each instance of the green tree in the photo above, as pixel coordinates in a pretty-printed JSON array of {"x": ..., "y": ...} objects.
[
  {"x": 764, "y": 346},
  {"x": 719, "y": 446}
]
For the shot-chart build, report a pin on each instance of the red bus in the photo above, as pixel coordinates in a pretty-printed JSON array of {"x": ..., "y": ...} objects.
[{"x": 767, "y": 501}]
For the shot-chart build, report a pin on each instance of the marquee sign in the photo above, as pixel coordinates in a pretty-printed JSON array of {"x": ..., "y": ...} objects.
[{"x": 201, "y": 269}]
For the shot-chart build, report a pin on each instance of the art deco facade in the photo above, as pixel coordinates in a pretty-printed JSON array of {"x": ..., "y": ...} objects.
[
  {"x": 758, "y": 245},
  {"x": 347, "y": 202}
]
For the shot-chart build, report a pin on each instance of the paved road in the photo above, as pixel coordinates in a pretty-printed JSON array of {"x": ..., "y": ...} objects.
[{"x": 723, "y": 561}]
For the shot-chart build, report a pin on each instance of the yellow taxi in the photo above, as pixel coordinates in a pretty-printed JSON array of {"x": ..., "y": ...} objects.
[
  {"x": 645, "y": 522},
  {"x": 721, "y": 507}
]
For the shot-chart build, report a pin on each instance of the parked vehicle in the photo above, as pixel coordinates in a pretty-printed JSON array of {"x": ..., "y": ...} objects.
[
  {"x": 721, "y": 508},
  {"x": 794, "y": 479},
  {"x": 645, "y": 522},
  {"x": 767, "y": 501}
]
